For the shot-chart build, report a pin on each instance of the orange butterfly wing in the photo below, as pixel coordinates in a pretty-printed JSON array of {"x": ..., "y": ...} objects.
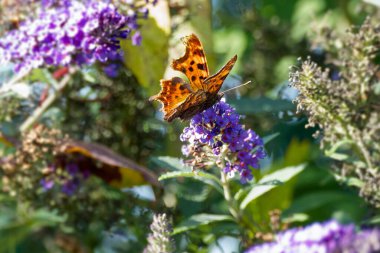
[
  {"x": 193, "y": 64},
  {"x": 173, "y": 93},
  {"x": 184, "y": 100},
  {"x": 215, "y": 82}
]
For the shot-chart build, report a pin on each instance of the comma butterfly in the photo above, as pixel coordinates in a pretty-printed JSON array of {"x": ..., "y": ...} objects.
[{"x": 183, "y": 100}]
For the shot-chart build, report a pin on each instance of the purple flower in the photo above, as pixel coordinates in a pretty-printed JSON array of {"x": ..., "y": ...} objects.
[
  {"x": 47, "y": 184},
  {"x": 216, "y": 131},
  {"x": 112, "y": 70},
  {"x": 70, "y": 186},
  {"x": 327, "y": 237},
  {"x": 75, "y": 32},
  {"x": 72, "y": 169},
  {"x": 136, "y": 39}
]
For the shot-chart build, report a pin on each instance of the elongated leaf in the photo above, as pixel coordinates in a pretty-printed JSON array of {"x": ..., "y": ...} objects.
[
  {"x": 201, "y": 176},
  {"x": 373, "y": 220},
  {"x": 171, "y": 163},
  {"x": 282, "y": 175},
  {"x": 332, "y": 152},
  {"x": 200, "y": 220},
  {"x": 269, "y": 138}
]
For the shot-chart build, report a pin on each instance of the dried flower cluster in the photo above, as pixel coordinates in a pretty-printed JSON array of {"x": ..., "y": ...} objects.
[
  {"x": 215, "y": 136},
  {"x": 344, "y": 102},
  {"x": 20, "y": 170},
  {"x": 328, "y": 237},
  {"x": 160, "y": 240},
  {"x": 40, "y": 175}
]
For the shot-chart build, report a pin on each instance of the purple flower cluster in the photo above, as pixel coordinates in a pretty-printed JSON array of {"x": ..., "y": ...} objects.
[
  {"x": 328, "y": 237},
  {"x": 216, "y": 132},
  {"x": 76, "y": 32},
  {"x": 67, "y": 182}
]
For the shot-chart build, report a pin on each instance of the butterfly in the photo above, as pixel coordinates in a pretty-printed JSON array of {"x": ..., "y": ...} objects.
[{"x": 183, "y": 100}]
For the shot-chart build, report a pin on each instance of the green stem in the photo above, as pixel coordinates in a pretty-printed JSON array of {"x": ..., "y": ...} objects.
[
  {"x": 245, "y": 222},
  {"x": 228, "y": 197},
  {"x": 38, "y": 112}
]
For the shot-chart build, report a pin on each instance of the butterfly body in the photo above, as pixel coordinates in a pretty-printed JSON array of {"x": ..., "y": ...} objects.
[
  {"x": 204, "y": 101},
  {"x": 184, "y": 100}
]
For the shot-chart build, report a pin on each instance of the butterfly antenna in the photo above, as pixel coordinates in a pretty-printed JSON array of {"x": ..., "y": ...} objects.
[{"x": 236, "y": 87}]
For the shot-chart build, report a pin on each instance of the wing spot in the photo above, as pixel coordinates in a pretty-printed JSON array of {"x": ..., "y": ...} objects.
[
  {"x": 191, "y": 69},
  {"x": 201, "y": 66},
  {"x": 182, "y": 87},
  {"x": 176, "y": 97},
  {"x": 193, "y": 78},
  {"x": 192, "y": 63},
  {"x": 202, "y": 77}
]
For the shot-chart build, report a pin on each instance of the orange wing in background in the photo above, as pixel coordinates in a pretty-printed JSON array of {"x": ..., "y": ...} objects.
[
  {"x": 173, "y": 93},
  {"x": 193, "y": 64},
  {"x": 214, "y": 82}
]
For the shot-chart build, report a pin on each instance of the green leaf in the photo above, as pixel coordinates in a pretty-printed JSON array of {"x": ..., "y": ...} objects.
[
  {"x": 201, "y": 176},
  {"x": 332, "y": 152},
  {"x": 296, "y": 217},
  {"x": 170, "y": 163},
  {"x": 200, "y": 220},
  {"x": 316, "y": 200},
  {"x": 13, "y": 230},
  {"x": 373, "y": 220},
  {"x": 149, "y": 60},
  {"x": 250, "y": 106},
  {"x": 269, "y": 138},
  {"x": 267, "y": 183}
]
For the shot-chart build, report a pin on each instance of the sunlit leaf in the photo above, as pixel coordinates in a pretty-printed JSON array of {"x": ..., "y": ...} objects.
[
  {"x": 170, "y": 163},
  {"x": 282, "y": 175},
  {"x": 206, "y": 178},
  {"x": 149, "y": 60}
]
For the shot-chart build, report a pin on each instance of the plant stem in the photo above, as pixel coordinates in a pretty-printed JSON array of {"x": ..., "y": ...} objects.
[
  {"x": 37, "y": 113},
  {"x": 245, "y": 222},
  {"x": 227, "y": 195}
]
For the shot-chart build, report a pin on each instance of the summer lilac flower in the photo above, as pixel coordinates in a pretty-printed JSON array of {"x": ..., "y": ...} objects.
[
  {"x": 216, "y": 134},
  {"x": 112, "y": 70},
  {"x": 47, "y": 184},
  {"x": 78, "y": 32},
  {"x": 327, "y": 237},
  {"x": 136, "y": 39}
]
